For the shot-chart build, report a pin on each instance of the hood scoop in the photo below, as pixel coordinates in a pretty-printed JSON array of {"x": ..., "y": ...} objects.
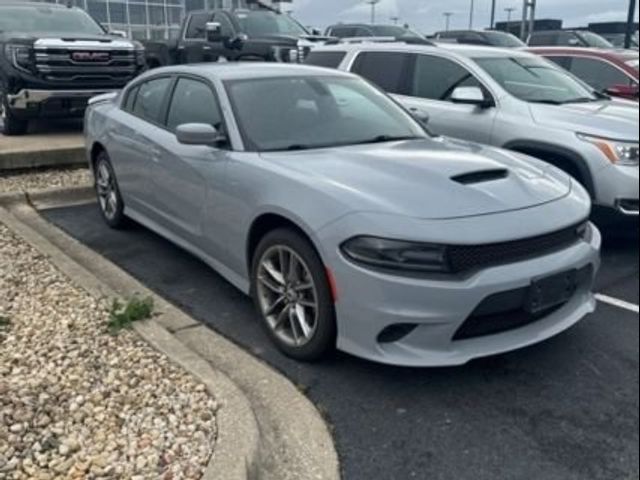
[{"x": 482, "y": 176}]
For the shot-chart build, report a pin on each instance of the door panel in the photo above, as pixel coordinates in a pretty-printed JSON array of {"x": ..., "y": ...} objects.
[{"x": 433, "y": 80}]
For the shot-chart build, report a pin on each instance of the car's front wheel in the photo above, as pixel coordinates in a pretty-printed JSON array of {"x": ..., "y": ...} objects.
[
  {"x": 293, "y": 296},
  {"x": 9, "y": 123},
  {"x": 109, "y": 197}
]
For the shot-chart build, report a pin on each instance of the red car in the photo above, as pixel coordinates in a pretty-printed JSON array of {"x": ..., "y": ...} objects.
[{"x": 614, "y": 72}]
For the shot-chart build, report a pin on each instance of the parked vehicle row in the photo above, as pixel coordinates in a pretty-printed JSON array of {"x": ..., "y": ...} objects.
[
  {"x": 348, "y": 222},
  {"x": 53, "y": 59}
]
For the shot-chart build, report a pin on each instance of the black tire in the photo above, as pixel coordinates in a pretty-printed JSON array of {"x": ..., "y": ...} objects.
[
  {"x": 11, "y": 125},
  {"x": 107, "y": 191},
  {"x": 323, "y": 340}
]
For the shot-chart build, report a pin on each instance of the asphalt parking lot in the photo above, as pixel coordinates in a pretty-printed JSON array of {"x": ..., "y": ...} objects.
[{"x": 563, "y": 410}]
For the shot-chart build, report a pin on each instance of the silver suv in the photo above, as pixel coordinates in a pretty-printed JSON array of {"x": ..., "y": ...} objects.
[{"x": 509, "y": 99}]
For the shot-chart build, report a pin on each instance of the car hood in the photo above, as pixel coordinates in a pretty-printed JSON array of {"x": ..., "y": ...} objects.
[
  {"x": 617, "y": 119},
  {"x": 427, "y": 179}
]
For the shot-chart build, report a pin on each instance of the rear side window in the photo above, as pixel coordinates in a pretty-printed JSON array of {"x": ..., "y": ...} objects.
[
  {"x": 388, "y": 70},
  {"x": 325, "y": 59},
  {"x": 131, "y": 99},
  {"x": 197, "y": 26},
  {"x": 343, "y": 32},
  {"x": 151, "y": 98},
  {"x": 564, "y": 62},
  {"x": 193, "y": 102}
]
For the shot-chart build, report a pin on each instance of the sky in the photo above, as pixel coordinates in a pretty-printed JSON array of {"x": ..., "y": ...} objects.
[{"x": 427, "y": 15}]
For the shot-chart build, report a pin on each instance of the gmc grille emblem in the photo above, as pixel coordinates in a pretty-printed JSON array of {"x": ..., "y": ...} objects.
[{"x": 90, "y": 56}]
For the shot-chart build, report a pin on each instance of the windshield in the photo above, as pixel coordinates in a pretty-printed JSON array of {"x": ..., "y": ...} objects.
[
  {"x": 500, "y": 39},
  {"x": 595, "y": 40},
  {"x": 31, "y": 19},
  {"x": 393, "y": 31},
  {"x": 299, "y": 113},
  {"x": 536, "y": 80},
  {"x": 264, "y": 23}
]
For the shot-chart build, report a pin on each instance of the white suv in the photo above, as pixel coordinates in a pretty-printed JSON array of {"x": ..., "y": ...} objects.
[{"x": 510, "y": 99}]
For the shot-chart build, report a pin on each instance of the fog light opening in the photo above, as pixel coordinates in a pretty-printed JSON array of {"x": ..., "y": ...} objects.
[{"x": 395, "y": 333}]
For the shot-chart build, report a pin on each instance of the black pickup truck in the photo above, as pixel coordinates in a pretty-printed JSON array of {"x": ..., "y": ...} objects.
[
  {"x": 53, "y": 59},
  {"x": 258, "y": 34}
]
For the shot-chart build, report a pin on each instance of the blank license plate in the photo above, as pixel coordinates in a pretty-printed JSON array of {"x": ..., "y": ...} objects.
[{"x": 550, "y": 292}]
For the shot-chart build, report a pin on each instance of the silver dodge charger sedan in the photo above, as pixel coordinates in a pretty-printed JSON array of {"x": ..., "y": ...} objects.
[{"x": 349, "y": 224}]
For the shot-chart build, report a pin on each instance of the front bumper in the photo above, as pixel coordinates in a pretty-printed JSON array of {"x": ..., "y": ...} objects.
[
  {"x": 370, "y": 302},
  {"x": 618, "y": 188},
  {"x": 43, "y": 103}
]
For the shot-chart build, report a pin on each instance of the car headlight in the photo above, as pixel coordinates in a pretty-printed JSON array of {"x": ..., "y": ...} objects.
[
  {"x": 616, "y": 151},
  {"x": 19, "y": 56},
  {"x": 397, "y": 255}
]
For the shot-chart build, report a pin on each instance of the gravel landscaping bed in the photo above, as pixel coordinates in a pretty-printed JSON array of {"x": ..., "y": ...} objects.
[
  {"x": 75, "y": 401},
  {"x": 45, "y": 178}
]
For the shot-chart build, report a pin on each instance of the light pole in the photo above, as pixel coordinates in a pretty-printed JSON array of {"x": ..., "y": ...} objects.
[
  {"x": 395, "y": 20},
  {"x": 447, "y": 20},
  {"x": 493, "y": 14},
  {"x": 630, "y": 24},
  {"x": 471, "y": 14},
  {"x": 509, "y": 11},
  {"x": 373, "y": 4}
]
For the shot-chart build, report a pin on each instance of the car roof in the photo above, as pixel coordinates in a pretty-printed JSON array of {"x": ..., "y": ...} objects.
[
  {"x": 248, "y": 70},
  {"x": 595, "y": 52},
  {"x": 471, "y": 51}
]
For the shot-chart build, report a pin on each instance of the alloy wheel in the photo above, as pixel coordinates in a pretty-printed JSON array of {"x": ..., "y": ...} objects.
[
  {"x": 107, "y": 193},
  {"x": 287, "y": 296}
]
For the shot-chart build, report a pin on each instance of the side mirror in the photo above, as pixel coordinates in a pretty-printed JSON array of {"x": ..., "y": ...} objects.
[
  {"x": 199, "y": 134},
  {"x": 628, "y": 91},
  {"x": 470, "y": 96},
  {"x": 213, "y": 31},
  {"x": 420, "y": 115}
]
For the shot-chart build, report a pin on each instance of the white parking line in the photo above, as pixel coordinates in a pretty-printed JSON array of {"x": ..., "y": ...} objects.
[{"x": 632, "y": 307}]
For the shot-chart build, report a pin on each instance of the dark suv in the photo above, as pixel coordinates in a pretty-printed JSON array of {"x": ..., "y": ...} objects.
[
  {"x": 568, "y": 38},
  {"x": 53, "y": 59}
]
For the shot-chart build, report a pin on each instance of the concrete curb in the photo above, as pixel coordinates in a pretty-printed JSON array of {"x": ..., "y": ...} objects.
[
  {"x": 286, "y": 439},
  {"x": 18, "y": 160}
]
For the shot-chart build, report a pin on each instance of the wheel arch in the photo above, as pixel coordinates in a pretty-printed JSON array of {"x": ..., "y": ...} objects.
[
  {"x": 561, "y": 157},
  {"x": 96, "y": 149},
  {"x": 269, "y": 221}
]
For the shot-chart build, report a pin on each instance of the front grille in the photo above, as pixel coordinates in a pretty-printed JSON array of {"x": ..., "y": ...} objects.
[
  {"x": 507, "y": 311},
  {"x": 464, "y": 258},
  {"x": 66, "y": 65}
]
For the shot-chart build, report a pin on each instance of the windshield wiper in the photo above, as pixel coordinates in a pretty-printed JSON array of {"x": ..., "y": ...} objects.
[
  {"x": 389, "y": 138},
  {"x": 547, "y": 102},
  {"x": 581, "y": 100}
]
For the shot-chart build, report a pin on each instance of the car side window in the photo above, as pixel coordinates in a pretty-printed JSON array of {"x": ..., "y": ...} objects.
[
  {"x": 564, "y": 62},
  {"x": 150, "y": 99},
  {"x": 343, "y": 32},
  {"x": 325, "y": 59},
  {"x": 436, "y": 78},
  {"x": 197, "y": 26},
  {"x": 363, "y": 32},
  {"x": 193, "y": 101},
  {"x": 597, "y": 73},
  {"x": 130, "y": 100},
  {"x": 388, "y": 70}
]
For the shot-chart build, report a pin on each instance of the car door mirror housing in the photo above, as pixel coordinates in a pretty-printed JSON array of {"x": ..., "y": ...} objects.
[
  {"x": 213, "y": 31},
  {"x": 471, "y": 96},
  {"x": 199, "y": 134}
]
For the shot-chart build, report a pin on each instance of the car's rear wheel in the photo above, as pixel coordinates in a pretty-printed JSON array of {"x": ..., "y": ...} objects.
[
  {"x": 293, "y": 296},
  {"x": 109, "y": 197},
  {"x": 10, "y": 125}
]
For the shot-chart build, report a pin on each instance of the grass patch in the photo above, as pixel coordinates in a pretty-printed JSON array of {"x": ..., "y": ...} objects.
[
  {"x": 123, "y": 315},
  {"x": 5, "y": 322}
]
